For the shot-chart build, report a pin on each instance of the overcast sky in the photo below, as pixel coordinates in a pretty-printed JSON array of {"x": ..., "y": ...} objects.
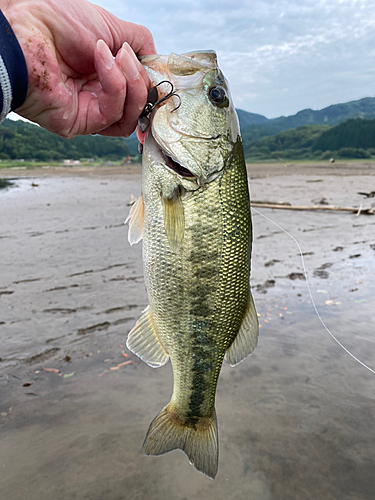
[{"x": 279, "y": 56}]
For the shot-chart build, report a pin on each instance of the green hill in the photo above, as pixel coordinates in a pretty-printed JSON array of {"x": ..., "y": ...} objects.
[
  {"x": 354, "y": 138},
  {"x": 24, "y": 140},
  {"x": 355, "y": 133},
  {"x": 288, "y": 144},
  {"x": 245, "y": 118},
  {"x": 362, "y": 108}
]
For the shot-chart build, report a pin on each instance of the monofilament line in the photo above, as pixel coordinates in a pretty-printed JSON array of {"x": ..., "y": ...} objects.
[{"x": 310, "y": 293}]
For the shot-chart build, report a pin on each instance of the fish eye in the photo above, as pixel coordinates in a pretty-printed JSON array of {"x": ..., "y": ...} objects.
[
  {"x": 218, "y": 97},
  {"x": 217, "y": 94}
]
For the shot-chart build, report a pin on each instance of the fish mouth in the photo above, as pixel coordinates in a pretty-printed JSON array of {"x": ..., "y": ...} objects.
[
  {"x": 169, "y": 162},
  {"x": 176, "y": 166},
  {"x": 192, "y": 180}
]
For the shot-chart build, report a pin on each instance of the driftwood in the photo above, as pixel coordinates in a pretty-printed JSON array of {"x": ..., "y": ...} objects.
[{"x": 288, "y": 206}]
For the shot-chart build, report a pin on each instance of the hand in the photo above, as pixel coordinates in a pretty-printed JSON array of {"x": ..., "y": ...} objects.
[{"x": 76, "y": 86}]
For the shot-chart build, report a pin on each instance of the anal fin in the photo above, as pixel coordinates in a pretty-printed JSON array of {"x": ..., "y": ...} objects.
[
  {"x": 144, "y": 342},
  {"x": 247, "y": 337}
]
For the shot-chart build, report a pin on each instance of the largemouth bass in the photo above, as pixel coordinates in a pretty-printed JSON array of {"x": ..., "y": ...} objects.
[{"x": 194, "y": 218}]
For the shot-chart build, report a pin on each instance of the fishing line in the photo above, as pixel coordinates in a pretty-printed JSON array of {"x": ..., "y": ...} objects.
[{"x": 310, "y": 293}]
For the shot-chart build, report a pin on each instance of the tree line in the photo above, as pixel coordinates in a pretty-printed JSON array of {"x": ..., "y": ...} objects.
[
  {"x": 354, "y": 138},
  {"x": 22, "y": 140}
]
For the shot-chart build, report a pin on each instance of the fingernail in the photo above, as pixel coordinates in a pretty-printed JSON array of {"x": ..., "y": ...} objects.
[
  {"x": 105, "y": 53},
  {"x": 129, "y": 62}
]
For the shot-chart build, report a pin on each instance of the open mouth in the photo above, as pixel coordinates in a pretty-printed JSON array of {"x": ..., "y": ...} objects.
[
  {"x": 176, "y": 167},
  {"x": 172, "y": 164}
]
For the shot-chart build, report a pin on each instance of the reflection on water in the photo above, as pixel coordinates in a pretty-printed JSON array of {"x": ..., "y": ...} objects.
[{"x": 5, "y": 183}]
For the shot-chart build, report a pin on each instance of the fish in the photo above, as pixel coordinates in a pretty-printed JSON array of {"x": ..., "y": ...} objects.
[{"x": 194, "y": 219}]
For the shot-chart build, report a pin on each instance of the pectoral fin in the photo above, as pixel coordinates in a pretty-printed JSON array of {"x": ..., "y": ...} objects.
[
  {"x": 136, "y": 218},
  {"x": 174, "y": 220},
  {"x": 144, "y": 342},
  {"x": 247, "y": 337}
]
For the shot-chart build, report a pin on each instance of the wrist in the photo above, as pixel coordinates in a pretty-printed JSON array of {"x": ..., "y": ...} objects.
[{"x": 13, "y": 70}]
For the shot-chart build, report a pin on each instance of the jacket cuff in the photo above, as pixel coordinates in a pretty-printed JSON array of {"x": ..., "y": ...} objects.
[{"x": 13, "y": 70}]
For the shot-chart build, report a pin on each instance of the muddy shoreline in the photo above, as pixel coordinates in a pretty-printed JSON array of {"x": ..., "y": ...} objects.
[
  {"x": 295, "y": 419},
  {"x": 261, "y": 170}
]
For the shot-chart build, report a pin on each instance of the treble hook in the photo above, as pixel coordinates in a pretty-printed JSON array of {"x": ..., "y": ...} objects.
[{"x": 152, "y": 102}]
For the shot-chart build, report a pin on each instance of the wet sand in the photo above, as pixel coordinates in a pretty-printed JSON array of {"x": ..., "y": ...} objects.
[{"x": 296, "y": 419}]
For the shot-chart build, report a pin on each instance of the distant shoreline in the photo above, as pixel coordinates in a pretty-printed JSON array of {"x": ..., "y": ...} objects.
[{"x": 255, "y": 170}]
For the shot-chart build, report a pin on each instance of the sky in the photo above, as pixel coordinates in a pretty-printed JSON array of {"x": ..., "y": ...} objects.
[{"x": 279, "y": 56}]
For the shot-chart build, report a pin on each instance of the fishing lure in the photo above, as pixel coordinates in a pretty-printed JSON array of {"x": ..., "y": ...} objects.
[{"x": 153, "y": 101}]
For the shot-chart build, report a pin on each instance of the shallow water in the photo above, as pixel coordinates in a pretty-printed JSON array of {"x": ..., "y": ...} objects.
[
  {"x": 295, "y": 419},
  {"x": 62, "y": 245}
]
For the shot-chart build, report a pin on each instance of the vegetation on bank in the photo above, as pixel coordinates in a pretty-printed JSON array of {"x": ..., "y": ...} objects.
[
  {"x": 4, "y": 183},
  {"x": 33, "y": 164}
]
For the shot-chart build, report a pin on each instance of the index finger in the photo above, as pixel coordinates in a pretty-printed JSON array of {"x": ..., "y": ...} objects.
[
  {"x": 142, "y": 42},
  {"x": 138, "y": 37}
]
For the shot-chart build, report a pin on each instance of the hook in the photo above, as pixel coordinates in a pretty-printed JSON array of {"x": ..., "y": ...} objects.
[{"x": 152, "y": 102}]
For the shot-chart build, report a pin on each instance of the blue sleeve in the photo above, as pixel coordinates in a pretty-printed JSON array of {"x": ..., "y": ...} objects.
[{"x": 13, "y": 70}]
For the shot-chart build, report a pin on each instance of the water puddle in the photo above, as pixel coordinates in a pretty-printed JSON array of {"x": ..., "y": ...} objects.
[{"x": 6, "y": 183}]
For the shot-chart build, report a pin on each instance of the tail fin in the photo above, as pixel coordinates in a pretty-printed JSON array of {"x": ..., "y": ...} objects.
[{"x": 199, "y": 441}]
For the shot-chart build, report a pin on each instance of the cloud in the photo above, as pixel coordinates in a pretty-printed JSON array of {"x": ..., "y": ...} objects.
[{"x": 279, "y": 55}]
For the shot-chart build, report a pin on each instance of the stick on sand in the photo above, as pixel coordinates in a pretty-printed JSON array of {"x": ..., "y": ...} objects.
[{"x": 285, "y": 206}]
